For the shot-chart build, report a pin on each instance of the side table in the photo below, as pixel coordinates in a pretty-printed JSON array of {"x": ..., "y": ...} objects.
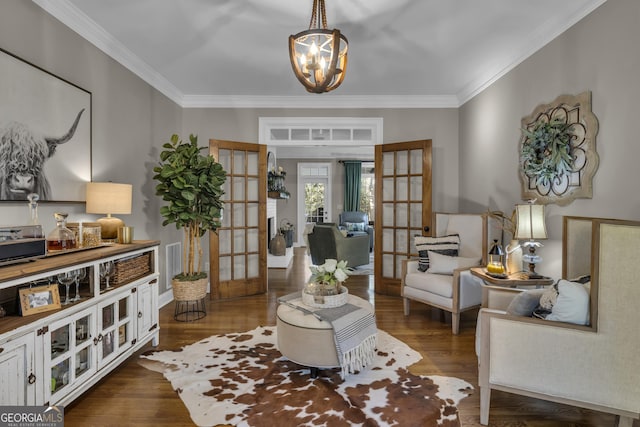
[{"x": 516, "y": 280}]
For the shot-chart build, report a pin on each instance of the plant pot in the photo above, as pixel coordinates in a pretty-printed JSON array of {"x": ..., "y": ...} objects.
[{"x": 189, "y": 290}]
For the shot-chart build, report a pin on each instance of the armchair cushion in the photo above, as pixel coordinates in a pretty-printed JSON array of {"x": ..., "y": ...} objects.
[
  {"x": 444, "y": 264},
  {"x": 445, "y": 245},
  {"x": 572, "y": 304},
  {"x": 525, "y": 302},
  {"x": 354, "y": 226}
]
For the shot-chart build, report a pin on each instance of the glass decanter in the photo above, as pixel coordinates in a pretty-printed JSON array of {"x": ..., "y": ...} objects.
[{"x": 61, "y": 238}]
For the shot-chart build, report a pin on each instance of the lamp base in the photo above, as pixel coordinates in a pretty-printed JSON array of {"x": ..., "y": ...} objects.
[{"x": 109, "y": 227}]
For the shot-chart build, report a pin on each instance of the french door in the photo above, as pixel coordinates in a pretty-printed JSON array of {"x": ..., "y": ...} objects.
[
  {"x": 402, "y": 209},
  {"x": 238, "y": 251},
  {"x": 314, "y": 194}
]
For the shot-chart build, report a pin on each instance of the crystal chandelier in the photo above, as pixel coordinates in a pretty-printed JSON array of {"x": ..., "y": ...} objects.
[{"x": 319, "y": 56}]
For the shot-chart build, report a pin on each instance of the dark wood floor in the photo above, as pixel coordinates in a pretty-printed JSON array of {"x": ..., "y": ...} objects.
[{"x": 135, "y": 396}]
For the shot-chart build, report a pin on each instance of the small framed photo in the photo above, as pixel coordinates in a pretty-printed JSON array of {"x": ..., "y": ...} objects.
[{"x": 39, "y": 299}]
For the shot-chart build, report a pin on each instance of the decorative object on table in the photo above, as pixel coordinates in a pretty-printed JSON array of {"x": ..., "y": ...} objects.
[
  {"x": 46, "y": 137},
  {"x": 61, "y": 238},
  {"x": 109, "y": 198},
  {"x": 558, "y": 158},
  {"x": 531, "y": 227},
  {"x": 33, "y": 209},
  {"x": 513, "y": 251},
  {"x": 106, "y": 270},
  {"x": 125, "y": 235},
  {"x": 39, "y": 299},
  {"x": 287, "y": 229},
  {"x": 324, "y": 288},
  {"x": 88, "y": 234},
  {"x": 495, "y": 261},
  {"x": 191, "y": 183},
  {"x": 319, "y": 56},
  {"x": 278, "y": 245},
  {"x": 388, "y": 387}
]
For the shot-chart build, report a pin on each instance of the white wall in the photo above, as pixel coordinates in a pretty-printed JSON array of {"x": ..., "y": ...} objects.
[{"x": 599, "y": 54}]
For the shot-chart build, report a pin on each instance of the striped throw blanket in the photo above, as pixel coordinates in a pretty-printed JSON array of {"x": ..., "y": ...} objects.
[{"x": 354, "y": 330}]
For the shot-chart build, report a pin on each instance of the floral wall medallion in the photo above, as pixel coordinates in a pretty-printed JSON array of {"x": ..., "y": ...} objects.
[{"x": 558, "y": 157}]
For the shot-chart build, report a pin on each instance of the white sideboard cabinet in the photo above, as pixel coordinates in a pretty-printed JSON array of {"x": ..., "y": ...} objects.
[{"x": 51, "y": 358}]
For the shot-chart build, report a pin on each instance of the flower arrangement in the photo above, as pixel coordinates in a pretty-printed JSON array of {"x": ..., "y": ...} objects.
[{"x": 330, "y": 274}]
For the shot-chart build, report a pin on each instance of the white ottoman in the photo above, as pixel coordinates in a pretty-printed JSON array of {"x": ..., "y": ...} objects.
[{"x": 306, "y": 340}]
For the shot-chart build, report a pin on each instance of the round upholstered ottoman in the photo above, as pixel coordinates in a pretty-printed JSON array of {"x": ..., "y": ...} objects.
[{"x": 306, "y": 340}]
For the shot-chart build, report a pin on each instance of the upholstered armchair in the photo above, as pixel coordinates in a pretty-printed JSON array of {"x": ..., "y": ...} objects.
[
  {"x": 441, "y": 277},
  {"x": 356, "y": 224},
  {"x": 327, "y": 242},
  {"x": 592, "y": 365}
]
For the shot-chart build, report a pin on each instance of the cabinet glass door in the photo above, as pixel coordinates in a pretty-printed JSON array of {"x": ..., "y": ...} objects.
[
  {"x": 115, "y": 327},
  {"x": 69, "y": 353}
]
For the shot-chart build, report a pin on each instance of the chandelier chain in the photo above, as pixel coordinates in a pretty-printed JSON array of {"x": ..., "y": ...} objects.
[{"x": 314, "y": 15}]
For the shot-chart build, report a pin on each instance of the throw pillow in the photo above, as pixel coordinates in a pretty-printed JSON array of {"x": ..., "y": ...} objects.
[
  {"x": 354, "y": 226},
  {"x": 446, "y": 245},
  {"x": 445, "y": 264},
  {"x": 572, "y": 305},
  {"x": 525, "y": 302}
]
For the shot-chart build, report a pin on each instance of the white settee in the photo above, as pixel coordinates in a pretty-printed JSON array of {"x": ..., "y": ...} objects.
[{"x": 595, "y": 366}]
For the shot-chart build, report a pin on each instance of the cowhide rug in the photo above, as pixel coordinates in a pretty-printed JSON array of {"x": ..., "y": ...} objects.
[{"x": 242, "y": 379}]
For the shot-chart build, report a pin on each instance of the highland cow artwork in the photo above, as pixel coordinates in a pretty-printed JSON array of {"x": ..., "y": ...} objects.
[{"x": 45, "y": 134}]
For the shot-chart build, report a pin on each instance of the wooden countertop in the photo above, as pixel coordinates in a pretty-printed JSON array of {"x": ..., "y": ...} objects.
[{"x": 63, "y": 259}]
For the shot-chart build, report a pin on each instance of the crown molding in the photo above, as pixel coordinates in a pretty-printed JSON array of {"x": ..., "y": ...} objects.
[
  {"x": 322, "y": 101},
  {"x": 65, "y": 12},
  {"x": 544, "y": 34}
]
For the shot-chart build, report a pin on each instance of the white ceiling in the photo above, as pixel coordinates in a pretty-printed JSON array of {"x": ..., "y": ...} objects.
[{"x": 402, "y": 53}]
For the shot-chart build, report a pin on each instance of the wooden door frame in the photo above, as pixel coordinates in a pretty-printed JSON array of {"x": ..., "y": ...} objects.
[
  {"x": 229, "y": 288},
  {"x": 391, "y": 286}
]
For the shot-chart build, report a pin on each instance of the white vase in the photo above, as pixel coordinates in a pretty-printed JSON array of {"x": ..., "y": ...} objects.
[{"x": 514, "y": 257}]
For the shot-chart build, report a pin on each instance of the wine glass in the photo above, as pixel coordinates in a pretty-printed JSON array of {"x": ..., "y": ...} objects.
[
  {"x": 105, "y": 273},
  {"x": 66, "y": 279},
  {"x": 80, "y": 274}
]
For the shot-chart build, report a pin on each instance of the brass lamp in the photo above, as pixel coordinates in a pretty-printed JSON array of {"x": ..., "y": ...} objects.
[
  {"x": 319, "y": 56},
  {"x": 531, "y": 227},
  {"x": 109, "y": 198}
]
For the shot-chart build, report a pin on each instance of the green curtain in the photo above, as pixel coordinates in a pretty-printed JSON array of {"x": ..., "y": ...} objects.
[{"x": 352, "y": 173}]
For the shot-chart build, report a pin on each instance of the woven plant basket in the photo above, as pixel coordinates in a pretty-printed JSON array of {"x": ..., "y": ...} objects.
[{"x": 189, "y": 291}]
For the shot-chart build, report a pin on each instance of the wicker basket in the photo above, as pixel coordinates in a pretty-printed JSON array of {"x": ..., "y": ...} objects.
[
  {"x": 326, "y": 301},
  {"x": 189, "y": 291},
  {"x": 127, "y": 270}
]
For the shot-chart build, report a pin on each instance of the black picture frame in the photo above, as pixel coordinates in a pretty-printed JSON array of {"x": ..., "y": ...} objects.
[{"x": 45, "y": 134}]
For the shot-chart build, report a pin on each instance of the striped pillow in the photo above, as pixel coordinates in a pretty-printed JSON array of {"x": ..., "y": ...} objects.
[{"x": 445, "y": 245}]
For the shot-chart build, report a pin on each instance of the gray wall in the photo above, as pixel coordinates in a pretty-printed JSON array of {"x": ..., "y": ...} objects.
[
  {"x": 599, "y": 54},
  {"x": 130, "y": 120}
]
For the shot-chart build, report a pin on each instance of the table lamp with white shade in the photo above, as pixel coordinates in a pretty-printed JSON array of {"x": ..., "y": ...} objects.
[
  {"x": 531, "y": 227},
  {"x": 109, "y": 198}
]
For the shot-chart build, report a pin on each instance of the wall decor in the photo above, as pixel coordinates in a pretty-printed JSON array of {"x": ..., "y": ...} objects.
[
  {"x": 45, "y": 134},
  {"x": 39, "y": 299},
  {"x": 558, "y": 157}
]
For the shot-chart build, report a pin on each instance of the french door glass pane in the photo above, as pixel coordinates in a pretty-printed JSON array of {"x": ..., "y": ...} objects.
[
  {"x": 238, "y": 188},
  {"x": 402, "y": 163},
  {"x": 252, "y": 188},
  {"x": 224, "y": 241},
  {"x": 415, "y": 161},
  {"x": 238, "y": 162},
  {"x": 238, "y": 214},
  {"x": 238, "y": 241},
  {"x": 224, "y": 265}
]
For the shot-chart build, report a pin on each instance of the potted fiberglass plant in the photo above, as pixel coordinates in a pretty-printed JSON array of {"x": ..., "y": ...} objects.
[{"x": 191, "y": 184}]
